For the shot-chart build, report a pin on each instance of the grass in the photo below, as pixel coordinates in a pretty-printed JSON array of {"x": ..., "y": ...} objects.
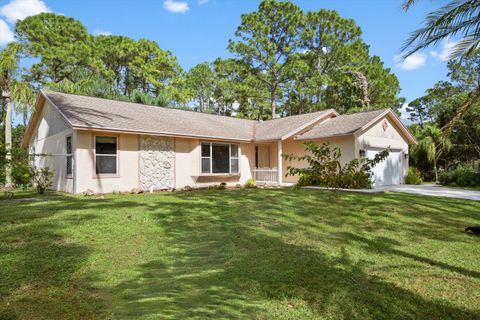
[{"x": 261, "y": 254}]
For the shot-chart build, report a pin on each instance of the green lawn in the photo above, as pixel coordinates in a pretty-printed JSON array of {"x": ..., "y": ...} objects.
[{"x": 262, "y": 254}]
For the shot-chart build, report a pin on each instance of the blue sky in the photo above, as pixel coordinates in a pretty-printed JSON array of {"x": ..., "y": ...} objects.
[{"x": 198, "y": 30}]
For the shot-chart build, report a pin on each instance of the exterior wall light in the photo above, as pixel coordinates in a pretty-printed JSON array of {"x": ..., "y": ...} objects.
[{"x": 362, "y": 153}]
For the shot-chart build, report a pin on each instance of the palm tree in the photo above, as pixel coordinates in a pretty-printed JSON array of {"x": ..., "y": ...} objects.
[
  {"x": 13, "y": 92},
  {"x": 458, "y": 18},
  {"x": 432, "y": 142}
]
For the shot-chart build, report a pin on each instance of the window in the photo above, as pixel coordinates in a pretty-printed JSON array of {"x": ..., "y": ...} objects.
[
  {"x": 220, "y": 158},
  {"x": 105, "y": 155},
  {"x": 69, "y": 156}
]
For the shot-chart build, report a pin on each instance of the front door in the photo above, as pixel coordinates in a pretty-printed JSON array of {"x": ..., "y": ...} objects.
[{"x": 262, "y": 156}]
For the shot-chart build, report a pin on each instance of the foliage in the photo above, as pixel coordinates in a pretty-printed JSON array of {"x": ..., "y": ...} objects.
[
  {"x": 286, "y": 62},
  {"x": 250, "y": 183},
  {"x": 41, "y": 178},
  {"x": 432, "y": 143},
  {"x": 324, "y": 168},
  {"x": 463, "y": 175},
  {"x": 61, "y": 43},
  {"x": 439, "y": 106},
  {"x": 455, "y": 18},
  {"x": 201, "y": 80},
  {"x": 305, "y": 62},
  {"x": 413, "y": 176},
  {"x": 267, "y": 39}
]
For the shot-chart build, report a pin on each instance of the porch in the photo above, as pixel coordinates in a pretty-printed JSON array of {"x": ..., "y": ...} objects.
[{"x": 268, "y": 167}]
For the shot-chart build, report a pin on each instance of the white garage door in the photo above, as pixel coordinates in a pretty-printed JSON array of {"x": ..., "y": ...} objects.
[{"x": 389, "y": 171}]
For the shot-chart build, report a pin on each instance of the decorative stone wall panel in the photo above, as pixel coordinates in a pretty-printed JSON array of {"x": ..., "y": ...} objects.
[{"x": 156, "y": 163}]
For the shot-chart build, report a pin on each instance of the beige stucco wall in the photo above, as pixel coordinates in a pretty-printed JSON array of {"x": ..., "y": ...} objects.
[
  {"x": 296, "y": 147},
  {"x": 377, "y": 137},
  {"x": 127, "y": 158},
  {"x": 49, "y": 138},
  {"x": 187, "y": 165}
]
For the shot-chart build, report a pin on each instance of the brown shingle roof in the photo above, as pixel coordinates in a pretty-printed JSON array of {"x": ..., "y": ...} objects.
[
  {"x": 278, "y": 128},
  {"x": 98, "y": 113},
  {"x": 342, "y": 125}
]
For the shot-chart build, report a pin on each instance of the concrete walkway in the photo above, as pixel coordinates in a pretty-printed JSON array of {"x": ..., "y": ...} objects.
[
  {"x": 423, "y": 189},
  {"x": 433, "y": 190}
]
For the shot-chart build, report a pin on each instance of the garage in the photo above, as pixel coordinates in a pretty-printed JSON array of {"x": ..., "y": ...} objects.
[{"x": 389, "y": 171}]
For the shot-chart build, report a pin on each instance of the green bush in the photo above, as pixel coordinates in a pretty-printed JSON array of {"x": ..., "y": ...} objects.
[
  {"x": 413, "y": 176},
  {"x": 324, "y": 168},
  {"x": 463, "y": 176},
  {"x": 251, "y": 183},
  {"x": 41, "y": 178},
  {"x": 21, "y": 174}
]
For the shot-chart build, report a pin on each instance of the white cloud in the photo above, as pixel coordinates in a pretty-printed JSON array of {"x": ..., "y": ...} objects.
[
  {"x": 444, "y": 54},
  {"x": 414, "y": 61},
  {"x": 20, "y": 9},
  {"x": 175, "y": 6},
  {"x": 100, "y": 32},
  {"x": 200, "y": 2},
  {"x": 6, "y": 35}
]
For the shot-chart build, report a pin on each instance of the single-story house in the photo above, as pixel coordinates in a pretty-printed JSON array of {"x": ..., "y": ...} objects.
[{"x": 106, "y": 145}]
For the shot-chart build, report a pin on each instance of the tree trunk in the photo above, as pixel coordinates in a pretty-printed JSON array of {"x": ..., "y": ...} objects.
[
  {"x": 25, "y": 116},
  {"x": 8, "y": 144},
  {"x": 435, "y": 169},
  {"x": 273, "y": 102}
]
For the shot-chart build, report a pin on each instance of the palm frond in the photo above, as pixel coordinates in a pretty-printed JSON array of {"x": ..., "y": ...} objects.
[
  {"x": 457, "y": 18},
  {"x": 407, "y": 4}
]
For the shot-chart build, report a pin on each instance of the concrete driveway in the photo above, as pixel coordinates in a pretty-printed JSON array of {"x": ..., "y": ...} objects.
[{"x": 433, "y": 190}]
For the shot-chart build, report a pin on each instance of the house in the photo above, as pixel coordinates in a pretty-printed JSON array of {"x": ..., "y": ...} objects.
[{"x": 106, "y": 145}]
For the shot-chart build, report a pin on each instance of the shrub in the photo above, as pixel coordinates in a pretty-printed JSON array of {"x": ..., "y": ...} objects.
[
  {"x": 445, "y": 177},
  {"x": 21, "y": 173},
  {"x": 324, "y": 168},
  {"x": 464, "y": 176},
  {"x": 251, "y": 183},
  {"x": 413, "y": 176},
  {"x": 41, "y": 178}
]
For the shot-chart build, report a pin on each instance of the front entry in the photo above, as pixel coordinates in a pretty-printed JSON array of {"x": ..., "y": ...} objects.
[{"x": 262, "y": 156}]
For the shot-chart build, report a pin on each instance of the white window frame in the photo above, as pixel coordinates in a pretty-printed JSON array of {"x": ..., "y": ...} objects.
[
  {"x": 95, "y": 154},
  {"x": 211, "y": 159},
  {"x": 67, "y": 156}
]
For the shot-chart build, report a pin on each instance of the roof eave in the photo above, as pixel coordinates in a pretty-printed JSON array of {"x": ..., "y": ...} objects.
[
  {"x": 411, "y": 139},
  {"x": 158, "y": 133}
]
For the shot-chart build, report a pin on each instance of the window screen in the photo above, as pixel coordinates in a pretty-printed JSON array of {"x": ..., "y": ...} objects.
[
  {"x": 219, "y": 158},
  {"x": 105, "y": 155},
  {"x": 69, "y": 157}
]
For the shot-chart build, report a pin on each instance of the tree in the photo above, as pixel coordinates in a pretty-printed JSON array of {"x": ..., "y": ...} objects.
[
  {"x": 267, "y": 38},
  {"x": 61, "y": 43},
  {"x": 433, "y": 143},
  {"x": 456, "y": 18},
  {"x": 201, "y": 82},
  {"x": 13, "y": 92},
  {"x": 419, "y": 110},
  {"x": 331, "y": 42}
]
